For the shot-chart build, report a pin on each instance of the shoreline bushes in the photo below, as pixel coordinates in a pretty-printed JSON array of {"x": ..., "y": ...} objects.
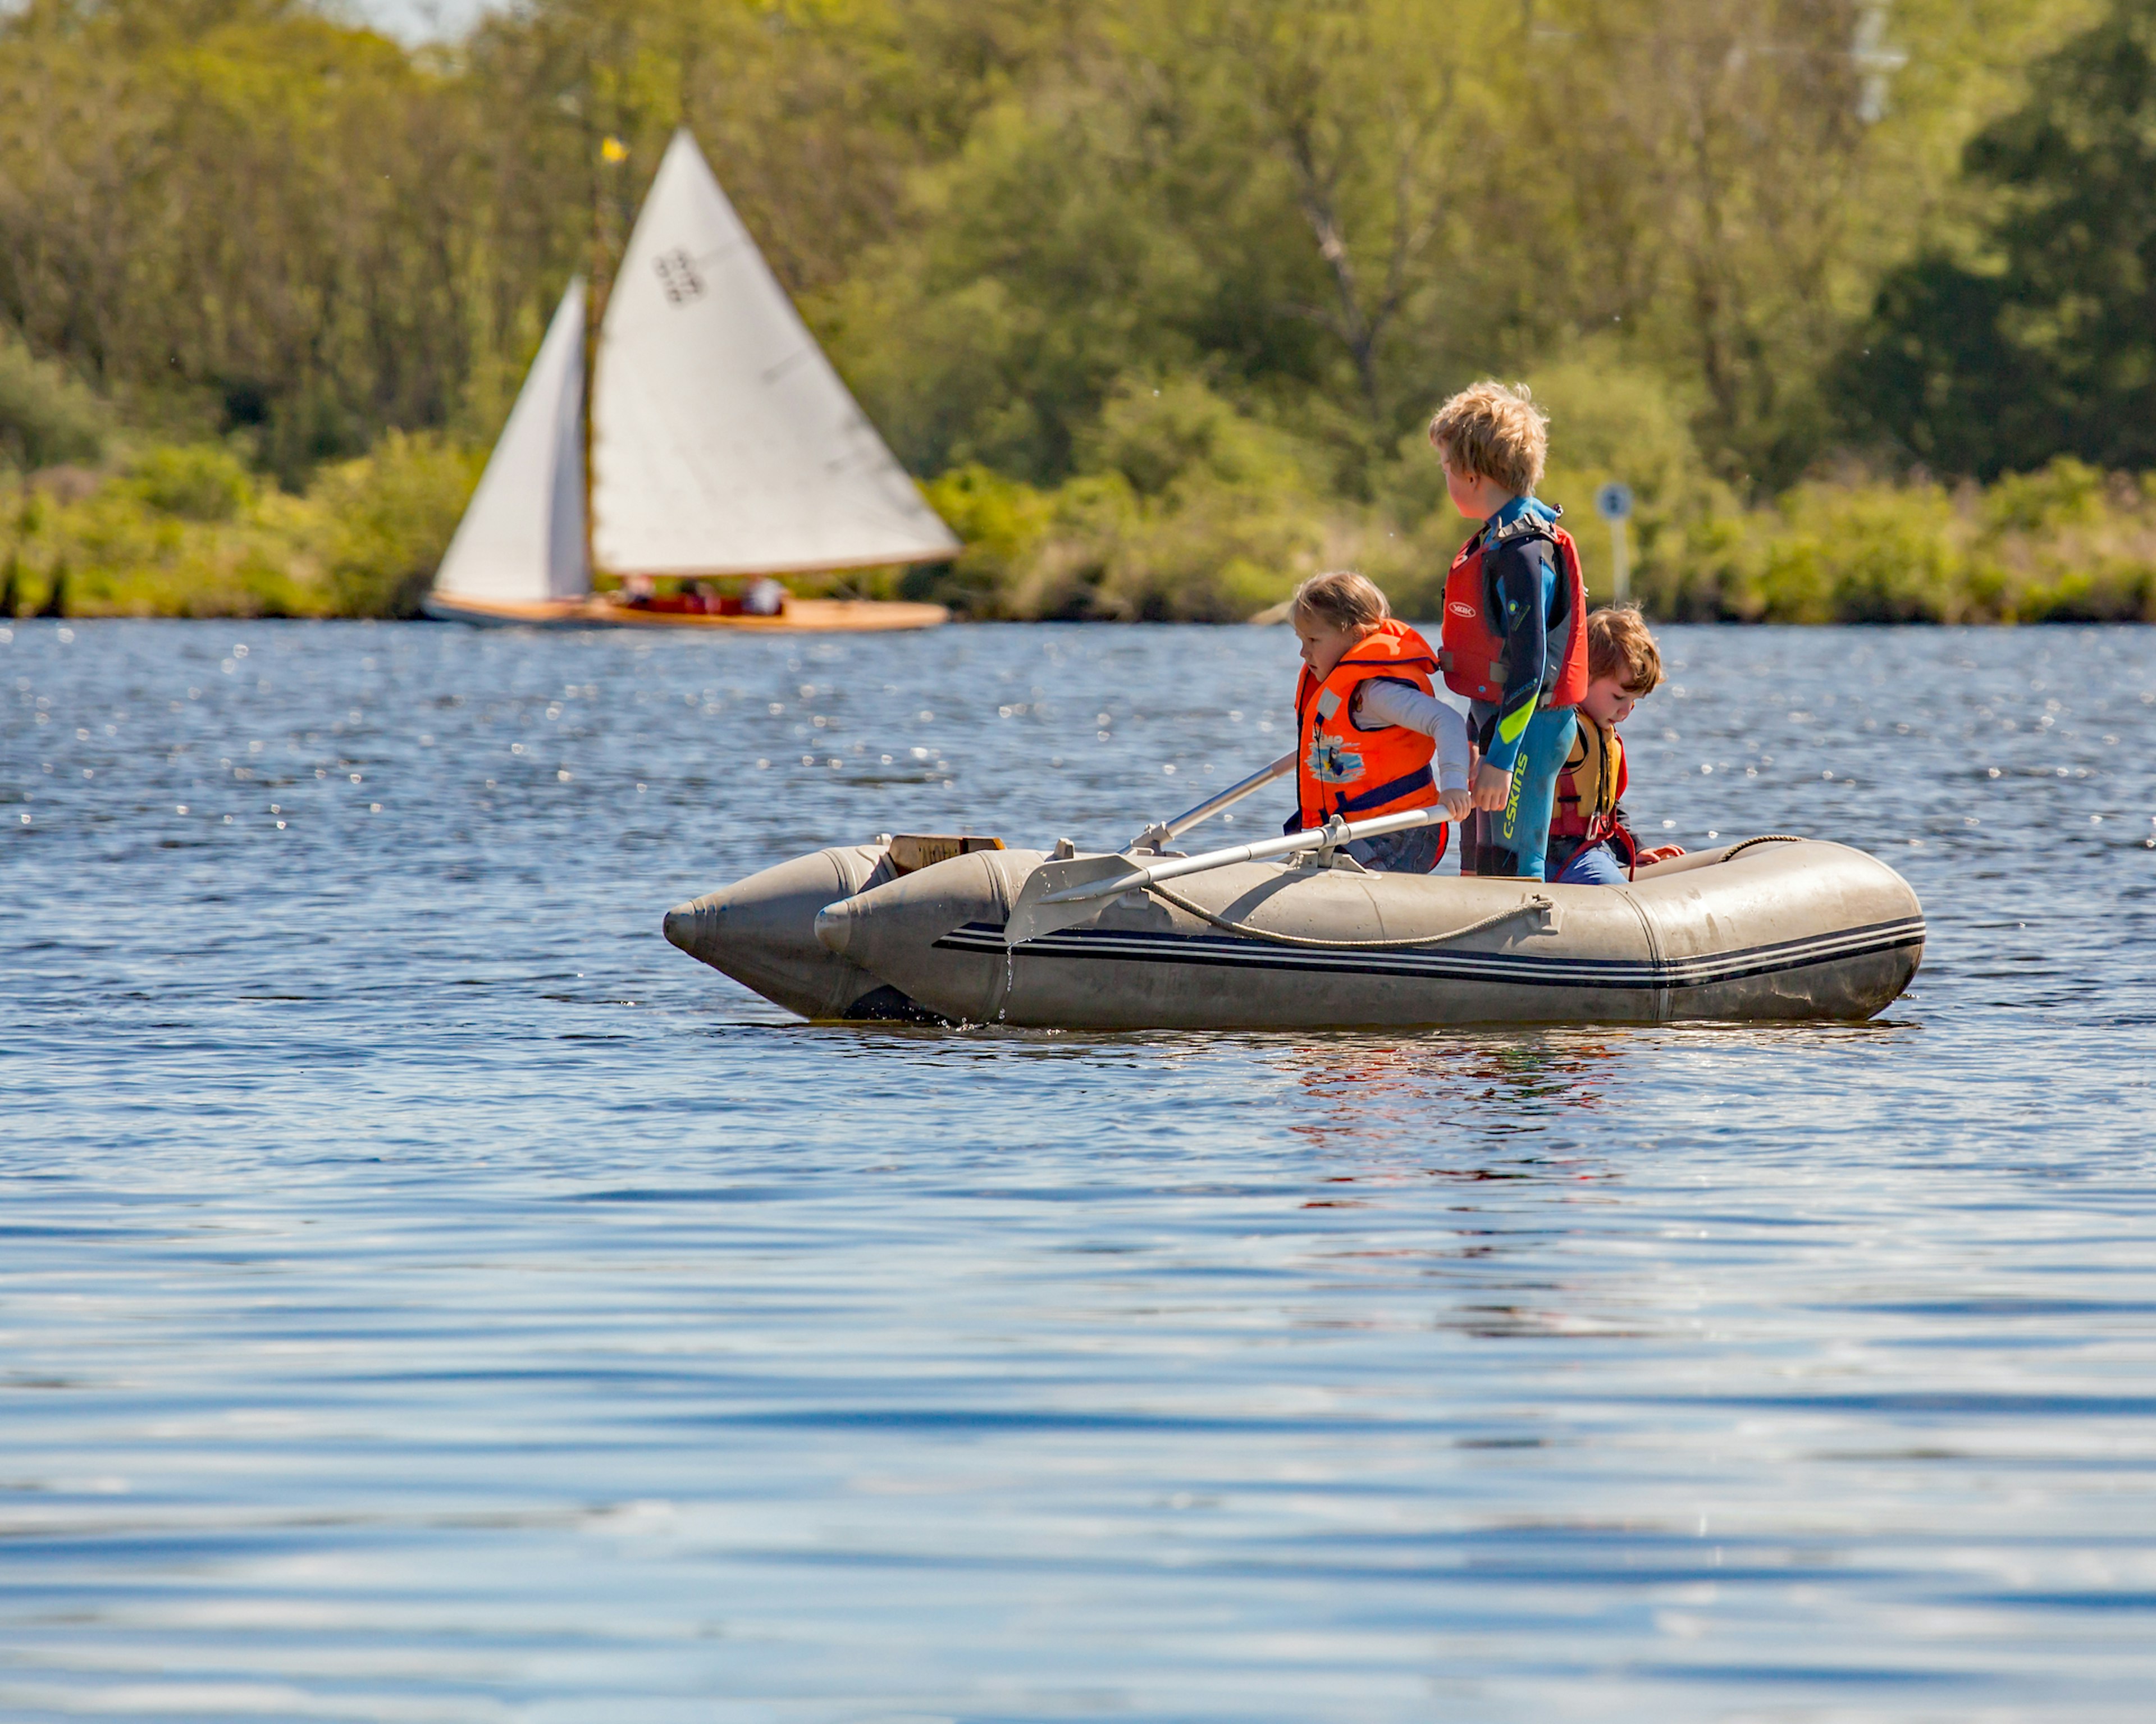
[
  {"x": 2065, "y": 544},
  {"x": 1196, "y": 516},
  {"x": 187, "y": 531},
  {"x": 1186, "y": 509}
]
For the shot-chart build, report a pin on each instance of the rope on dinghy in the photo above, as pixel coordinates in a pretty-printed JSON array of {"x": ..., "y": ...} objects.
[
  {"x": 1536, "y": 902},
  {"x": 1765, "y": 837}
]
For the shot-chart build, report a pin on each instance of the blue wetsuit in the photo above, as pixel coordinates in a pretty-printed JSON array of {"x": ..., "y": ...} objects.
[{"x": 1518, "y": 733}]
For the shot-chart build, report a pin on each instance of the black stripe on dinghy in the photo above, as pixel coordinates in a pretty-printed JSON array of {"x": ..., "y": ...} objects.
[{"x": 1219, "y": 950}]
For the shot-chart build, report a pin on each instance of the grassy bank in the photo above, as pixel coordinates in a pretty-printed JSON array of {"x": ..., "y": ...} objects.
[
  {"x": 2065, "y": 545},
  {"x": 188, "y": 530}
]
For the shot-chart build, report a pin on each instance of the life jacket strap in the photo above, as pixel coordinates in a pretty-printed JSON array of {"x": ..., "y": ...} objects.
[
  {"x": 1500, "y": 669},
  {"x": 1525, "y": 523},
  {"x": 1422, "y": 778}
]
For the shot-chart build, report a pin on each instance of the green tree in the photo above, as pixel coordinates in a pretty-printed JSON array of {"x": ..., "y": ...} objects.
[
  {"x": 2043, "y": 342},
  {"x": 239, "y": 200}
]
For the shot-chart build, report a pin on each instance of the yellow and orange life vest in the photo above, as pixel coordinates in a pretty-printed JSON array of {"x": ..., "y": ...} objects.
[
  {"x": 1343, "y": 769},
  {"x": 1588, "y": 788}
]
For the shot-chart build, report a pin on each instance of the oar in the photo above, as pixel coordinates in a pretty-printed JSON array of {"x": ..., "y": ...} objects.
[
  {"x": 1163, "y": 832},
  {"x": 1054, "y": 894}
]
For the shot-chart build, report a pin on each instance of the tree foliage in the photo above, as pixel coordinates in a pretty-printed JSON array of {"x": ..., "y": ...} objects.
[
  {"x": 46, "y": 415},
  {"x": 2043, "y": 339},
  {"x": 998, "y": 208}
]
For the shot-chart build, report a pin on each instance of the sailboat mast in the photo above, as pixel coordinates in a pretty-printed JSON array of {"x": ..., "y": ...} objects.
[{"x": 610, "y": 155}]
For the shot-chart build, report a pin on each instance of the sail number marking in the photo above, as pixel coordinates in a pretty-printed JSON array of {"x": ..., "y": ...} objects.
[{"x": 679, "y": 277}]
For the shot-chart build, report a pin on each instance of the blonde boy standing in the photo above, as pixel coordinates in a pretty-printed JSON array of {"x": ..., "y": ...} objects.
[{"x": 1515, "y": 636}]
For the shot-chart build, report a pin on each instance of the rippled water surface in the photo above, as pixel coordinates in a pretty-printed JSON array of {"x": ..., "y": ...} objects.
[{"x": 425, "y": 1294}]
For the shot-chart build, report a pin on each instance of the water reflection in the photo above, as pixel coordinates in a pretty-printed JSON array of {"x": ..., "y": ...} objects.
[{"x": 1398, "y": 1093}]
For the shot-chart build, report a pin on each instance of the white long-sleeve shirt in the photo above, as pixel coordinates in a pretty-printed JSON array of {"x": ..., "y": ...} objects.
[{"x": 1382, "y": 701}]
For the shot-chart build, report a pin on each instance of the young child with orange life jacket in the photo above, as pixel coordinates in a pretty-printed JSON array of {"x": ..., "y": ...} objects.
[
  {"x": 1369, "y": 724},
  {"x": 1515, "y": 638},
  {"x": 1590, "y": 841}
]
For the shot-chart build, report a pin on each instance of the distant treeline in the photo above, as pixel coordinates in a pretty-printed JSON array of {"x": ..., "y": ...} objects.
[{"x": 1155, "y": 296}]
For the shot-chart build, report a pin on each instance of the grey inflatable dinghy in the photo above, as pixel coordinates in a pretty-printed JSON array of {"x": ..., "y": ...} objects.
[{"x": 962, "y": 930}]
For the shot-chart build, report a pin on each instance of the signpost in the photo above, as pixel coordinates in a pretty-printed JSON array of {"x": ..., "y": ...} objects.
[{"x": 1612, "y": 502}]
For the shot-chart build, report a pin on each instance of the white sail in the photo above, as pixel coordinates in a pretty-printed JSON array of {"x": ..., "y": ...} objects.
[
  {"x": 521, "y": 539},
  {"x": 722, "y": 442}
]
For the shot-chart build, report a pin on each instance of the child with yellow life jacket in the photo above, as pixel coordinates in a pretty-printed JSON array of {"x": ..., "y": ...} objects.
[
  {"x": 1590, "y": 841},
  {"x": 1371, "y": 736},
  {"x": 1514, "y": 635}
]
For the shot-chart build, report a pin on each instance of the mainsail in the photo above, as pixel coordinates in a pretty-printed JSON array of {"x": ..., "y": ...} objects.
[
  {"x": 722, "y": 441},
  {"x": 521, "y": 540}
]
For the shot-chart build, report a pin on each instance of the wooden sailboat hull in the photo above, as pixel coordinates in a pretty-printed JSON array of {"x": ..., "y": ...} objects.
[{"x": 801, "y": 616}]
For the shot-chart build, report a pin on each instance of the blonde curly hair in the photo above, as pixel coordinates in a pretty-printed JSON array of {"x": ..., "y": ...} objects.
[{"x": 1494, "y": 432}]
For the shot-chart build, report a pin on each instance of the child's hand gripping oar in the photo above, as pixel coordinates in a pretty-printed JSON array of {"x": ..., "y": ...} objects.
[{"x": 1058, "y": 894}]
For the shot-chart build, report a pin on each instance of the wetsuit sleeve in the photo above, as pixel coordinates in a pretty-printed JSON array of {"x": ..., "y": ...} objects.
[
  {"x": 1522, "y": 580},
  {"x": 1382, "y": 701}
]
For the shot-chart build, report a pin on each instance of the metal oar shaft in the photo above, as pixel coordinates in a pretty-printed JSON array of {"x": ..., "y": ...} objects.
[
  {"x": 1333, "y": 834},
  {"x": 1229, "y": 798}
]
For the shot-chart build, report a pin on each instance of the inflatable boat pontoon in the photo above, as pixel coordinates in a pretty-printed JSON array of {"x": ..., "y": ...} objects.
[{"x": 962, "y": 930}]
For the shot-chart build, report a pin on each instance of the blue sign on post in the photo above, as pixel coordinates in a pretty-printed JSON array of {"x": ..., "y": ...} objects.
[{"x": 1612, "y": 502}]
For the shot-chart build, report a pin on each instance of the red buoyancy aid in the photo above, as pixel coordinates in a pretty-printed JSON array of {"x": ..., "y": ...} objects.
[
  {"x": 1589, "y": 786},
  {"x": 1473, "y": 640},
  {"x": 1343, "y": 769}
]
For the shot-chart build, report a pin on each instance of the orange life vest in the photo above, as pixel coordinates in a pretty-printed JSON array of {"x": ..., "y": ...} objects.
[
  {"x": 1588, "y": 788},
  {"x": 1343, "y": 769},
  {"x": 1474, "y": 641}
]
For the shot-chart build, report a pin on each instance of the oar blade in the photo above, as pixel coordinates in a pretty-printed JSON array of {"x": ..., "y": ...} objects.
[{"x": 1030, "y": 918}]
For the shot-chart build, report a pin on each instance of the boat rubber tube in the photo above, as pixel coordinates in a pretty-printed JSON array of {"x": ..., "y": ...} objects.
[
  {"x": 1792, "y": 930},
  {"x": 762, "y": 932}
]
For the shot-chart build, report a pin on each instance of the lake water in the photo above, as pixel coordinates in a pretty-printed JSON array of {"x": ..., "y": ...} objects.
[{"x": 426, "y": 1294}]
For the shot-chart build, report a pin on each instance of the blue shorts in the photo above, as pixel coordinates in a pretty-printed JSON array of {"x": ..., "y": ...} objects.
[
  {"x": 1414, "y": 851},
  {"x": 1596, "y": 865}
]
